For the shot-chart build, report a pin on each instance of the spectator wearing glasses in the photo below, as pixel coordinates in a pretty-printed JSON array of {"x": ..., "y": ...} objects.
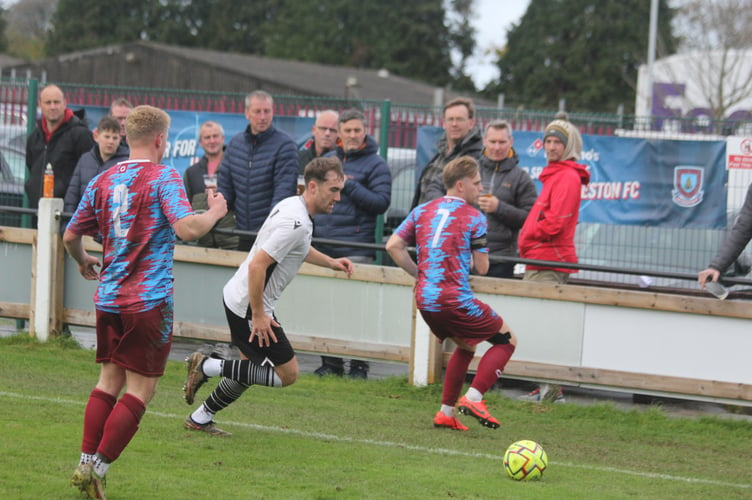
[
  {"x": 324, "y": 138},
  {"x": 461, "y": 138}
]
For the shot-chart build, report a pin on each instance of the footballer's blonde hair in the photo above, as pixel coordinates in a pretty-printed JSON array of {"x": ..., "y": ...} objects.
[{"x": 144, "y": 122}]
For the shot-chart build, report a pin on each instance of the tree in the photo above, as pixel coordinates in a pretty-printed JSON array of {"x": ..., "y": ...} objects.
[
  {"x": 462, "y": 38},
  {"x": 584, "y": 51},
  {"x": 83, "y": 24},
  {"x": 27, "y": 23},
  {"x": 216, "y": 24},
  {"x": 717, "y": 35},
  {"x": 3, "y": 38},
  {"x": 406, "y": 38}
]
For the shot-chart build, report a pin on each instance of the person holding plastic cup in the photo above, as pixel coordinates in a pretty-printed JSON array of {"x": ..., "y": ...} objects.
[
  {"x": 200, "y": 181},
  {"x": 731, "y": 249},
  {"x": 507, "y": 197}
]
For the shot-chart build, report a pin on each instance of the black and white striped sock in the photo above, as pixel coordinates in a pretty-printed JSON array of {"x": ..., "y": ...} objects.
[
  {"x": 247, "y": 372},
  {"x": 224, "y": 395}
]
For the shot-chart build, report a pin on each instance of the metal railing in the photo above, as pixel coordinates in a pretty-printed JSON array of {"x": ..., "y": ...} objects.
[
  {"x": 617, "y": 273},
  {"x": 395, "y": 127}
]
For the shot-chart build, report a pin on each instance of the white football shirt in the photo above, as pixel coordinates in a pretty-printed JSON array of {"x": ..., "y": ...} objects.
[{"x": 286, "y": 236}]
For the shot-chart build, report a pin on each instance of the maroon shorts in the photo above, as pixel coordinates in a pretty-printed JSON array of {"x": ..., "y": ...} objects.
[
  {"x": 139, "y": 342},
  {"x": 473, "y": 328}
]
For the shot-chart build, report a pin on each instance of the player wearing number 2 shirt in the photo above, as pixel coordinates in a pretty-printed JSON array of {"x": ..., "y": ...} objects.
[
  {"x": 449, "y": 235},
  {"x": 137, "y": 201},
  {"x": 138, "y": 206}
]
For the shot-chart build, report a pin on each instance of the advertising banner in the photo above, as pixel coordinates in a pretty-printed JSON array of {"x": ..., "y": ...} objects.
[
  {"x": 183, "y": 149},
  {"x": 633, "y": 181}
]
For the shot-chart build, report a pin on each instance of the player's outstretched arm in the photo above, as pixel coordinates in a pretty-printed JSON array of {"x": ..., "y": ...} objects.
[
  {"x": 397, "y": 249},
  {"x": 322, "y": 260},
  {"x": 196, "y": 225}
]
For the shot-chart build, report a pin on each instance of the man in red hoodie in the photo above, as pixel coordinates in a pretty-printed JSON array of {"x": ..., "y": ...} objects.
[{"x": 548, "y": 232}]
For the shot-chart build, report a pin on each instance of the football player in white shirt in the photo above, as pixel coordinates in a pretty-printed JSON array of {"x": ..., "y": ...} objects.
[{"x": 282, "y": 245}]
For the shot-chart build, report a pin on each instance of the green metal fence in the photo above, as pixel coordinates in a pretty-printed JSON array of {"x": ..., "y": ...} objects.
[{"x": 394, "y": 126}]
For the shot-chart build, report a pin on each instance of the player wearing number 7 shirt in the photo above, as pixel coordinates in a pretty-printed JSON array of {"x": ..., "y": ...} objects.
[
  {"x": 138, "y": 206},
  {"x": 449, "y": 234}
]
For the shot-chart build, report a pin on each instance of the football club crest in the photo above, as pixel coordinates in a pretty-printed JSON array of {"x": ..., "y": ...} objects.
[{"x": 687, "y": 190}]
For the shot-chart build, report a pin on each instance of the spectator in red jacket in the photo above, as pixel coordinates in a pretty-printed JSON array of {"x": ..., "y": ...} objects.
[{"x": 548, "y": 232}]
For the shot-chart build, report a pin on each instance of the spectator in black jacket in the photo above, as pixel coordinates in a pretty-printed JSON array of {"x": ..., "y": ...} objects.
[
  {"x": 508, "y": 195},
  {"x": 732, "y": 247},
  {"x": 59, "y": 138}
]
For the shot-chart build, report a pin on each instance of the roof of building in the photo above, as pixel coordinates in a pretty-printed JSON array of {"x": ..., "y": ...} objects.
[
  {"x": 6, "y": 60},
  {"x": 302, "y": 78},
  {"x": 317, "y": 79}
]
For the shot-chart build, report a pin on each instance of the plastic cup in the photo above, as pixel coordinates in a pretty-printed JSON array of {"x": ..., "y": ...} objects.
[
  {"x": 720, "y": 291},
  {"x": 210, "y": 181}
]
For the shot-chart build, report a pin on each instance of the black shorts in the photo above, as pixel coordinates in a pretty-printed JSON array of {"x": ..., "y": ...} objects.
[{"x": 278, "y": 353}]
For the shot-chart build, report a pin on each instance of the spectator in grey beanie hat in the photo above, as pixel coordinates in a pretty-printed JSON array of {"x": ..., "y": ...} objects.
[
  {"x": 549, "y": 229},
  {"x": 568, "y": 135}
]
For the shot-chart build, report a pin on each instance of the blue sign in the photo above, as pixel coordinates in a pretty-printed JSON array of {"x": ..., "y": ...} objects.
[
  {"x": 183, "y": 149},
  {"x": 633, "y": 181}
]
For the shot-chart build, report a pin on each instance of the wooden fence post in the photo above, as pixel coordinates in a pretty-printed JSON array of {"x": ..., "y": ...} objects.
[
  {"x": 426, "y": 361},
  {"x": 47, "y": 274}
]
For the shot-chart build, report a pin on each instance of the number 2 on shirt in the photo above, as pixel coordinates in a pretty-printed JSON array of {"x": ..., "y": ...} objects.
[{"x": 120, "y": 203}]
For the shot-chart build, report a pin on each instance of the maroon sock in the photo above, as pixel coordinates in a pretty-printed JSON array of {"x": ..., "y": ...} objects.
[
  {"x": 98, "y": 409},
  {"x": 455, "y": 375},
  {"x": 121, "y": 426},
  {"x": 491, "y": 365}
]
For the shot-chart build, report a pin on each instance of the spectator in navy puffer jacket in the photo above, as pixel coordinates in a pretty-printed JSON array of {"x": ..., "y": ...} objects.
[
  {"x": 259, "y": 168},
  {"x": 366, "y": 195}
]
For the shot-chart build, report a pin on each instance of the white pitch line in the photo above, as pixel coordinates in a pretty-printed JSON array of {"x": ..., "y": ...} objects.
[{"x": 392, "y": 444}]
